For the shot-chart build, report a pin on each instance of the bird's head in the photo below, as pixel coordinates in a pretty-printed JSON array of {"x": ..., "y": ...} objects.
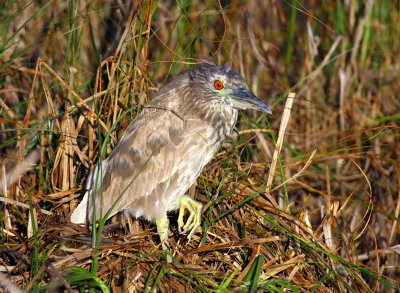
[{"x": 224, "y": 84}]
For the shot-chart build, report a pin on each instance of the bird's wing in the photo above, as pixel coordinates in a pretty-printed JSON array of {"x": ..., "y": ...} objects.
[{"x": 149, "y": 153}]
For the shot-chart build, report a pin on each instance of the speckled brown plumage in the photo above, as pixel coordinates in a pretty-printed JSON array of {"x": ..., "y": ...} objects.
[{"x": 163, "y": 151}]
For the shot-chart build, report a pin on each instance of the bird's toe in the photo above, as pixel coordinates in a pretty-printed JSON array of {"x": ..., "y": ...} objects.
[{"x": 194, "y": 215}]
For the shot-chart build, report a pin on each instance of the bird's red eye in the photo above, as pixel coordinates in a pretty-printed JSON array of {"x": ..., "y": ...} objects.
[{"x": 219, "y": 85}]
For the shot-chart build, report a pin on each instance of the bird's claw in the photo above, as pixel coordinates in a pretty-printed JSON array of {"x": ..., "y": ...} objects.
[{"x": 194, "y": 219}]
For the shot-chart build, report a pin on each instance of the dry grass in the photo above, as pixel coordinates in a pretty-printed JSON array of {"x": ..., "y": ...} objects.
[{"x": 307, "y": 199}]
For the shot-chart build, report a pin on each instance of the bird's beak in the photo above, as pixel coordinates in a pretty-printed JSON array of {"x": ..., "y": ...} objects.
[{"x": 244, "y": 99}]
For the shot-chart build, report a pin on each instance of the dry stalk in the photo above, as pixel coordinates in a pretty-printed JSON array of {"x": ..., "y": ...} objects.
[
  {"x": 20, "y": 204},
  {"x": 278, "y": 147},
  {"x": 393, "y": 232}
]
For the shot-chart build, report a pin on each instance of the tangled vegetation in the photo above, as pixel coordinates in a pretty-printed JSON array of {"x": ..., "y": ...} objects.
[{"x": 304, "y": 200}]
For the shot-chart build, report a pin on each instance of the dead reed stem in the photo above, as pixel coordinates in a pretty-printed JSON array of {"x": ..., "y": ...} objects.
[{"x": 284, "y": 122}]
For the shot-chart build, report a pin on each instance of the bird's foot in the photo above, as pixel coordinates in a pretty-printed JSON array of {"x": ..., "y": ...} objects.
[
  {"x": 162, "y": 230},
  {"x": 194, "y": 219}
]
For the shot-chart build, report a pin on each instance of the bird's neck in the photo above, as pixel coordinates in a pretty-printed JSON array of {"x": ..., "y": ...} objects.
[{"x": 221, "y": 118}]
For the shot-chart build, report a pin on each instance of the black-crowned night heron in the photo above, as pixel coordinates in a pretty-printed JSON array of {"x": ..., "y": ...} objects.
[{"x": 164, "y": 149}]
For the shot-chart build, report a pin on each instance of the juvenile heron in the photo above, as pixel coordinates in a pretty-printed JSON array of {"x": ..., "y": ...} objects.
[{"x": 163, "y": 151}]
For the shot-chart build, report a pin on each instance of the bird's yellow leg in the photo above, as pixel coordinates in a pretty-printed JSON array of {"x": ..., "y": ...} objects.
[
  {"x": 162, "y": 229},
  {"x": 194, "y": 218}
]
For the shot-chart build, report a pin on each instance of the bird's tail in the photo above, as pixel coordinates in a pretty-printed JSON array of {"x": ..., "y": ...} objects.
[
  {"x": 79, "y": 216},
  {"x": 81, "y": 213}
]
